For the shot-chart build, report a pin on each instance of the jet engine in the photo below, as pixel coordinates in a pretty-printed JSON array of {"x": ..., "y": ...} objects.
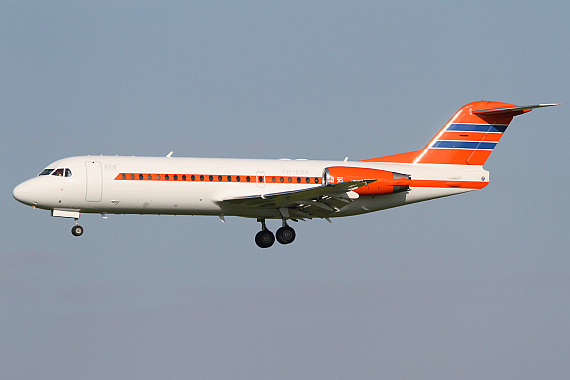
[{"x": 386, "y": 182}]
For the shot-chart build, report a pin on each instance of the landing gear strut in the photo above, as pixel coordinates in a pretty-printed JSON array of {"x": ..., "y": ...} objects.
[
  {"x": 77, "y": 230},
  {"x": 265, "y": 238}
]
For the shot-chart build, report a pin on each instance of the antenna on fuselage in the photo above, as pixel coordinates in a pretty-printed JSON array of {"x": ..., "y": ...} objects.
[{"x": 169, "y": 154}]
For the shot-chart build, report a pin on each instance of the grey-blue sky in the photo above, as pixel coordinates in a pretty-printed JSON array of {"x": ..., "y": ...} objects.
[{"x": 473, "y": 286}]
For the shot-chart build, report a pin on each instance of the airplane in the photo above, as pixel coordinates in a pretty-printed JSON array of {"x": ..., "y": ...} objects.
[{"x": 290, "y": 190}]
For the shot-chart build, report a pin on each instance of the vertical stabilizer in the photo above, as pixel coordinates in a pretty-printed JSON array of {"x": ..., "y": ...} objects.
[{"x": 468, "y": 138}]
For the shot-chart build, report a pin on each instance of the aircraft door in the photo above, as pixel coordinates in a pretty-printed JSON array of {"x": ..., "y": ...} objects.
[{"x": 94, "y": 181}]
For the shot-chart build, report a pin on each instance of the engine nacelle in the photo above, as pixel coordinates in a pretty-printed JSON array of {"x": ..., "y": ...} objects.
[{"x": 386, "y": 182}]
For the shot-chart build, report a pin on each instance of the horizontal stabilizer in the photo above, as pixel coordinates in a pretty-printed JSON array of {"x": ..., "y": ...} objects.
[{"x": 511, "y": 111}]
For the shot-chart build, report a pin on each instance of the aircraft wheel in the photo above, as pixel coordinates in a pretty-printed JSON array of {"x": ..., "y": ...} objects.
[
  {"x": 264, "y": 239},
  {"x": 285, "y": 235},
  {"x": 77, "y": 230}
]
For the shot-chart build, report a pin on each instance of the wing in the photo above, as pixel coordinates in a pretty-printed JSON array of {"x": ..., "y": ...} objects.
[{"x": 319, "y": 201}]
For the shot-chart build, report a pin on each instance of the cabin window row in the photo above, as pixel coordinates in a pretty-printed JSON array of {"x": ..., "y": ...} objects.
[{"x": 217, "y": 178}]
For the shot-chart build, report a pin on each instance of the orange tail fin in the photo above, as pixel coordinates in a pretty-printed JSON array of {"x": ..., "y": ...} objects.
[{"x": 468, "y": 138}]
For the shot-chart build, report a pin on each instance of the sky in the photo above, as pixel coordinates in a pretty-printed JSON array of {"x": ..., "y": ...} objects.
[{"x": 472, "y": 286}]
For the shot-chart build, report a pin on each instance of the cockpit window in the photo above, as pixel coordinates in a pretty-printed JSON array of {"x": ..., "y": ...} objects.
[
  {"x": 58, "y": 172},
  {"x": 67, "y": 173},
  {"x": 46, "y": 172}
]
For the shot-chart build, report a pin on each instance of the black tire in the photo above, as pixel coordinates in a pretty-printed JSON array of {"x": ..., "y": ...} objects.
[
  {"x": 77, "y": 230},
  {"x": 285, "y": 235},
  {"x": 264, "y": 239}
]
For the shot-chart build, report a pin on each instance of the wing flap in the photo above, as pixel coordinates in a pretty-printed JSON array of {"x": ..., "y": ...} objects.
[{"x": 319, "y": 201}]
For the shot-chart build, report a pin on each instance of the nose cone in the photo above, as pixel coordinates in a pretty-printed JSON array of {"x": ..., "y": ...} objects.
[{"x": 23, "y": 193}]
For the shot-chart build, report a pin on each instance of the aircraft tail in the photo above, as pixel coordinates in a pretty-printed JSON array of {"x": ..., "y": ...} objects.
[{"x": 468, "y": 138}]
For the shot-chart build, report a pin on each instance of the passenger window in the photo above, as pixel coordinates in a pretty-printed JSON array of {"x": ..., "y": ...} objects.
[
  {"x": 247, "y": 178},
  {"x": 282, "y": 179},
  {"x": 141, "y": 176},
  {"x": 260, "y": 179},
  {"x": 46, "y": 172},
  {"x": 220, "y": 178},
  {"x": 166, "y": 177},
  {"x": 238, "y": 178},
  {"x": 308, "y": 180},
  {"x": 175, "y": 177},
  {"x": 229, "y": 178},
  {"x": 316, "y": 180},
  {"x": 150, "y": 176},
  {"x": 211, "y": 178},
  {"x": 124, "y": 176},
  {"x": 289, "y": 179},
  {"x": 193, "y": 177},
  {"x": 58, "y": 172},
  {"x": 132, "y": 176},
  {"x": 201, "y": 178},
  {"x": 298, "y": 179},
  {"x": 184, "y": 177}
]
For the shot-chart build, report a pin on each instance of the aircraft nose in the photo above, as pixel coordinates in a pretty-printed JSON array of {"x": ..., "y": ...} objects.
[{"x": 22, "y": 193}]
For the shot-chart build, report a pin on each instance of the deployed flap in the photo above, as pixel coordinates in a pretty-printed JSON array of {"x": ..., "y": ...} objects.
[{"x": 317, "y": 201}]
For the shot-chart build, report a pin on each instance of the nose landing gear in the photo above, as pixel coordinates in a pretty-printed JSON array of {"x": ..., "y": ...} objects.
[
  {"x": 77, "y": 230},
  {"x": 265, "y": 238}
]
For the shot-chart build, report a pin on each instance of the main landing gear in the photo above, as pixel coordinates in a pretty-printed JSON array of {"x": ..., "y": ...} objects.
[
  {"x": 265, "y": 238},
  {"x": 77, "y": 230}
]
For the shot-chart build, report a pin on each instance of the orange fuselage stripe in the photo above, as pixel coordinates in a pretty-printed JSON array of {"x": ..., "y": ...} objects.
[
  {"x": 292, "y": 180},
  {"x": 215, "y": 178}
]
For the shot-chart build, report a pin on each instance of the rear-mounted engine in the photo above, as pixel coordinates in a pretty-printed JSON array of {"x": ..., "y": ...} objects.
[{"x": 385, "y": 182}]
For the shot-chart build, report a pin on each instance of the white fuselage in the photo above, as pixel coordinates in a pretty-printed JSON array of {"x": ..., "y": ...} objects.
[
  {"x": 113, "y": 184},
  {"x": 451, "y": 163}
]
